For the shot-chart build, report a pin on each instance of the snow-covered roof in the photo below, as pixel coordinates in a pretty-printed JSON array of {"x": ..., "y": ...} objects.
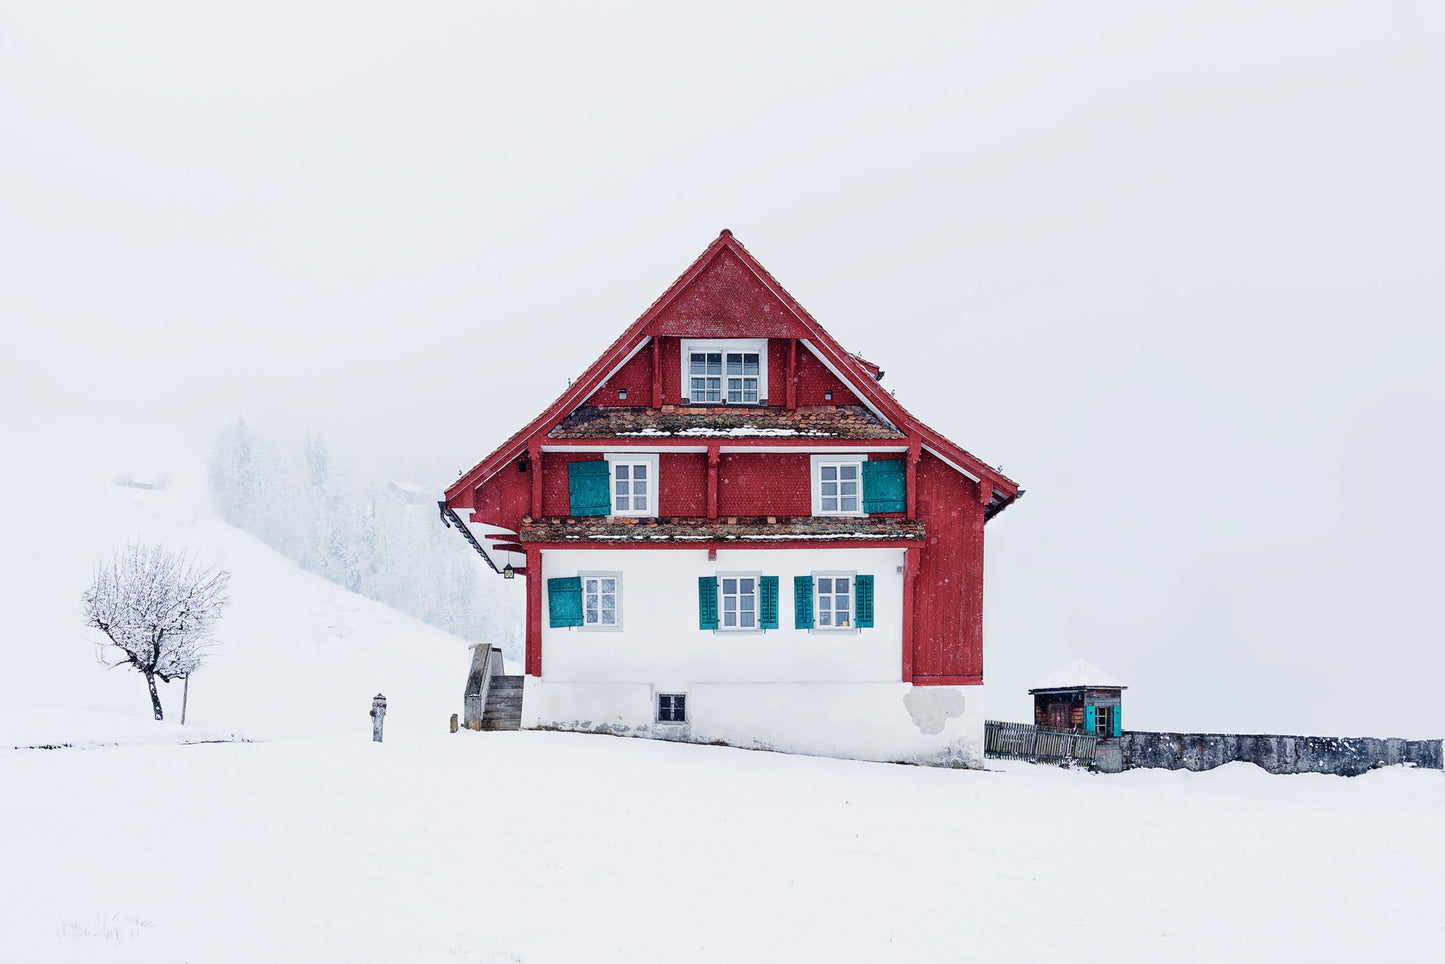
[{"x": 1075, "y": 673}]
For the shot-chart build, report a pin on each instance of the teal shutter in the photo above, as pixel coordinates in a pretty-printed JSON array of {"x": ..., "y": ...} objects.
[
  {"x": 564, "y": 601},
  {"x": 803, "y": 602},
  {"x": 587, "y": 484},
  {"x": 885, "y": 486},
  {"x": 1088, "y": 719},
  {"x": 863, "y": 601},
  {"x": 769, "y": 605},
  {"x": 1118, "y": 723},
  {"x": 707, "y": 602}
]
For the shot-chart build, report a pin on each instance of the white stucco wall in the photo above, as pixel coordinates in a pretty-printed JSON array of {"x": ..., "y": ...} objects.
[
  {"x": 660, "y": 640},
  {"x": 787, "y": 689},
  {"x": 889, "y": 722}
]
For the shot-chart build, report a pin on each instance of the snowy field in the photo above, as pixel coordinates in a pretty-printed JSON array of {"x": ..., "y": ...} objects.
[
  {"x": 311, "y": 843},
  {"x": 566, "y": 847}
]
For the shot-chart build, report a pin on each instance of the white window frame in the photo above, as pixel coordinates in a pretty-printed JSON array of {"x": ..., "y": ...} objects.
[
  {"x": 757, "y": 626},
  {"x": 817, "y": 463},
  {"x": 600, "y": 627},
  {"x": 852, "y": 578},
  {"x": 725, "y": 345},
  {"x": 632, "y": 458},
  {"x": 657, "y": 709}
]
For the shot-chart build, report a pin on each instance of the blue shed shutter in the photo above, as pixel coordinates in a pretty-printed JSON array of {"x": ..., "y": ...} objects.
[
  {"x": 1118, "y": 723},
  {"x": 1088, "y": 719},
  {"x": 587, "y": 486},
  {"x": 885, "y": 486},
  {"x": 803, "y": 602},
  {"x": 564, "y": 601},
  {"x": 768, "y": 614},
  {"x": 707, "y": 602},
  {"x": 863, "y": 604}
]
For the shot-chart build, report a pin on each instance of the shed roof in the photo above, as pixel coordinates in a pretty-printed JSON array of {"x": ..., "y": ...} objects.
[
  {"x": 831, "y": 421},
  {"x": 731, "y": 528},
  {"x": 1077, "y": 673}
]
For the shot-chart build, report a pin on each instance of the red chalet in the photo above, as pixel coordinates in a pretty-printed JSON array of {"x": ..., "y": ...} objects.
[{"x": 731, "y": 532}]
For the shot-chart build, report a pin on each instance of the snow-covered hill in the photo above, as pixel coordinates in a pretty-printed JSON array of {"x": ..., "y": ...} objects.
[
  {"x": 318, "y": 845},
  {"x": 299, "y": 656}
]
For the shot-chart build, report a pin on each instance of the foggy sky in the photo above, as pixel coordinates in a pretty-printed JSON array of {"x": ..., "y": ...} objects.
[{"x": 1174, "y": 266}]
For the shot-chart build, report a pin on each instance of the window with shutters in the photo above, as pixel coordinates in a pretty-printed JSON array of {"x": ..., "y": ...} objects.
[
  {"x": 672, "y": 707},
  {"x": 632, "y": 482},
  {"x": 833, "y": 602},
  {"x": 738, "y": 609},
  {"x": 838, "y": 484},
  {"x": 601, "y": 601},
  {"x": 729, "y": 372},
  {"x": 1104, "y": 720}
]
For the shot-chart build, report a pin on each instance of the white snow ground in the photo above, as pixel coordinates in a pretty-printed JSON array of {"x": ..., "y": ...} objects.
[{"x": 318, "y": 845}]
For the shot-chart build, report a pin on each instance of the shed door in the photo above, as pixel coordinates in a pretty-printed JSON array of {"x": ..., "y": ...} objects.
[{"x": 1058, "y": 716}]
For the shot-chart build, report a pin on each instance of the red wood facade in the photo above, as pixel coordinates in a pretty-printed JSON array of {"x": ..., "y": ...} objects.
[{"x": 824, "y": 399}]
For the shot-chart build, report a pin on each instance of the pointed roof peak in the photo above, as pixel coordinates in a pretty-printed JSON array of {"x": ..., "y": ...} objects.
[{"x": 1076, "y": 673}]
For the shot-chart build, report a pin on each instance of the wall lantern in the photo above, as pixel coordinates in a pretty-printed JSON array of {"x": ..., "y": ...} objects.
[{"x": 508, "y": 572}]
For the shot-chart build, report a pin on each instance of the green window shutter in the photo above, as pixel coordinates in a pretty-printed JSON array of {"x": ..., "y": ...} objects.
[
  {"x": 707, "y": 602},
  {"x": 1088, "y": 719},
  {"x": 885, "y": 486},
  {"x": 863, "y": 602},
  {"x": 803, "y": 602},
  {"x": 564, "y": 601},
  {"x": 769, "y": 603},
  {"x": 1118, "y": 723},
  {"x": 587, "y": 484}
]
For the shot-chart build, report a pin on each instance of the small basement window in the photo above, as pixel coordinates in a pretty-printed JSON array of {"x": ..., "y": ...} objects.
[{"x": 672, "y": 707}]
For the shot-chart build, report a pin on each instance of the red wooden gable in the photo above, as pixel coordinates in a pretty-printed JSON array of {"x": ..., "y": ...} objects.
[{"x": 727, "y": 293}]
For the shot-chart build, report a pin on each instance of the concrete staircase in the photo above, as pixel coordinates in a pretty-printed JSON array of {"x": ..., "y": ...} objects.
[{"x": 504, "y": 704}]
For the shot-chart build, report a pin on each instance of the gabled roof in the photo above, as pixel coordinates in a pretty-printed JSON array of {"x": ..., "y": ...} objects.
[
  {"x": 860, "y": 375},
  {"x": 1075, "y": 674}
]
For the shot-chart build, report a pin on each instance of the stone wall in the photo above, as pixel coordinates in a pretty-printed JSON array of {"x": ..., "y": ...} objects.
[{"x": 1345, "y": 756}]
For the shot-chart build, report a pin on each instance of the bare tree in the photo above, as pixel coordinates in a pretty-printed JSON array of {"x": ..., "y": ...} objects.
[{"x": 158, "y": 608}]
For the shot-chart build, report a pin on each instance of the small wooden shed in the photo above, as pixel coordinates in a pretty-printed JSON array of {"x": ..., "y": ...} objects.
[{"x": 1079, "y": 696}]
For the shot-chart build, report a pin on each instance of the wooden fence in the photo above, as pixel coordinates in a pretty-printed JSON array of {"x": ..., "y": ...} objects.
[{"x": 1025, "y": 741}]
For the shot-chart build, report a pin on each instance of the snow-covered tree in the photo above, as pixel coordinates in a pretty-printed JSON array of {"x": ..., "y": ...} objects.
[
  {"x": 158, "y": 608},
  {"x": 347, "y": 524}
]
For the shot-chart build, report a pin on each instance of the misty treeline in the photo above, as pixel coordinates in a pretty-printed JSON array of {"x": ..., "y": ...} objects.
[{"x": 357, "y": 530}]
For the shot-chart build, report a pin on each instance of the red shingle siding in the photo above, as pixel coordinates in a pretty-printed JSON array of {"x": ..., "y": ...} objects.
[
  {"x": 769, "y": 483},
  {"x": 503, "y": 500},
  {"x": 683, "y": 485},
  {"x": 671, "y": 371},
  {"x": 814, "y": 381},
  {"x": 727, "y": 301},
  {"x": 635, "y": 376}
]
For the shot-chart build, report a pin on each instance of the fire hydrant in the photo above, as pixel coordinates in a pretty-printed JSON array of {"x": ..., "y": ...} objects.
[{"x": 378, "y": 715}]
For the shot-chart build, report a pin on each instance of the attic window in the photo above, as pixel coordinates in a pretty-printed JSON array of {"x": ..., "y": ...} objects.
[
  {"x": 828, "y": 395},
  {"x": 621, "y": 393},
  {"x": 731, "y": 372}
]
